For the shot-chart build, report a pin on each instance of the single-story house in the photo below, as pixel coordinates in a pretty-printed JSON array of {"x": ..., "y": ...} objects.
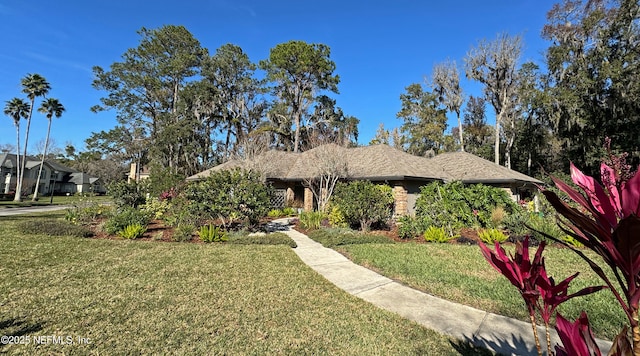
[
  {"x": 404, "y": 172},
  {"x": 55, "y": 178}
]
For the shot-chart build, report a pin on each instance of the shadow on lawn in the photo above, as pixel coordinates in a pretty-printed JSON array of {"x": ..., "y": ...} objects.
[
  {"x": 481, "y": 346},
  {"x": 18, "y": 327}
]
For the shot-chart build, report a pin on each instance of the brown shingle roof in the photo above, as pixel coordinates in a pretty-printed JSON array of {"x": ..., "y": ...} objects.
[
  {"x": 377, "y": 162},
  {"x": 469, "y": 168}
]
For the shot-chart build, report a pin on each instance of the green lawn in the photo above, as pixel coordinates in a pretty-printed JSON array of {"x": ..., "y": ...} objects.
[
  {"x": 460, "y": 273},
  {"x": 139, "y": 297}
]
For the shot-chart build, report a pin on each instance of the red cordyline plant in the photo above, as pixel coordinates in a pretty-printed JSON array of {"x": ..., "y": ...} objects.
[
  {"x": 607, "y": 223},
  {"x": 539, "y": 291}
]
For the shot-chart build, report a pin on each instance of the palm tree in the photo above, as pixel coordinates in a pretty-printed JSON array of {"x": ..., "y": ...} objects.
[
  {"x": 34, "y": 85},
  {"x": 17, "y": 108},
  {"x": 50, "y": 107}
]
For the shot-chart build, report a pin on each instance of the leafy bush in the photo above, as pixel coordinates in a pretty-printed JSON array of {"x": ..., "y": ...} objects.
[
  {"x": 516, "y": 223},
  {"x": 336, "y": 217},
  {"x": 83, "y": 215},
  {"x": 491, "y": 236},
  {"x": 364, "y": 203},
  {"x": 436, "y": 234},
  {"x": 230, "y": 196},
  {"x": 454, "y": 205},
  {"x": 53, "y": 227},
  {"x": 289, "y": 211},
  {"x": 311, "y": 220},
  {"x": 127, "y": 194},
  {"x": 155, "y": 207},
  {"x": 123, "y": 218},
  {"x": 131, "y": 232},
  {"x": 211, "y": 233},
  {"x": 541, "y": 226},
  {"x": 337, "y": 237},
  {"x": 275, "y": 213},
  {"x": 276, "y": 238},
  {"x": 410, "y": 227},
  {"x": 162, "y": 180},
  {"x": 183, "y": 232}
]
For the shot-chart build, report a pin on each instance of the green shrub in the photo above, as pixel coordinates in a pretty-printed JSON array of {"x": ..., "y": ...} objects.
[
  {"x": 436, "y": 234},
  {"x": 131, "y": 232},
  {"x": 275, "y": 213},
  {"x": 311, "y": 220},
  {"x": 162, "y": 179},
  {"x": 211, "y": 233},
  {"x": 84, "y": 215},
  {"x": 288, "y": 211},
  {"x": 127, "y": 194},
  {"x": 364, "y": 203},
  {"x": 155, "y": 207},
  {"x": 410, "y": 227},
  {"x": 336, "y": 217},
  {"x": 53, "y": 227},
  {"x": 123, "y": 218},
  {"x": 517, "y": 222},
  {"x": 232, "y": 196},
  {"x": 491, "y": 236},
  {"x": 454, "y": 205},
  {"x": 183, "y": 232},
  {"x": 276, "y": 238}
]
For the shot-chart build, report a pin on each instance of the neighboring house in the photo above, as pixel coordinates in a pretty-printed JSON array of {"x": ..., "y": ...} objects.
[
  {"x": 137, "y": 174},
  {"x": 404, "y": 172},
  {"x": 55, "y": 178}
]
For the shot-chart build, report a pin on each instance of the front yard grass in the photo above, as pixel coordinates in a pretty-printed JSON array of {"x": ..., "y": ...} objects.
[
  {"x": 460, "y": 273},
  {"x": 135, "y": 297}
]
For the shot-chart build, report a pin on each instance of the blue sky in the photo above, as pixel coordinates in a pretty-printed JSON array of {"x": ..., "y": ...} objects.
[{"x": 379, "y": 47}]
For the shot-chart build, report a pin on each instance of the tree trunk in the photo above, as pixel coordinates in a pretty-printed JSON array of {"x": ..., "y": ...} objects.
[
  {"x": 296, "y": 136},
  {"x": 496, "y": 149},
  {"x": 460, "y": 133},
  {"x": 18, "y": 196},
  {"x": 44, "y": 154},
  {"x": 17, "y": 156}
]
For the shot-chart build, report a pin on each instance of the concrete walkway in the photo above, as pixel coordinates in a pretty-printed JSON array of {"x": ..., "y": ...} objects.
[{"x": 497, "y": 333}]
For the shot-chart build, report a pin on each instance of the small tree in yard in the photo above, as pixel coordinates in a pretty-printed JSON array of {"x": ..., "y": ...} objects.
[
  {"x": 364, "y": 202},
  {"x": 328, "y": 166}
]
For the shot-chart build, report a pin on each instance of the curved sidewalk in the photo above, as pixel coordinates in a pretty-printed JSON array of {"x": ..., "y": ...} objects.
[{"x": 497, "y": 333}]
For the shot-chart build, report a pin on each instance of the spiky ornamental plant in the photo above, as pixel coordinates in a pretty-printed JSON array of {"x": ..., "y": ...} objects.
[
  {"x": 607, "y": 223},
  {"x": 539, "y": 291}
]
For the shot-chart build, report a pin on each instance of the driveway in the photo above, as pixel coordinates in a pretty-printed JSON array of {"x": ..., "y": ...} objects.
[{"x": 31, "y": 209}]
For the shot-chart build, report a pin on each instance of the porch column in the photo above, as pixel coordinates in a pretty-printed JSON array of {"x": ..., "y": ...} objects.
[
  {"x": 400, "y": 200},
  {"x": 308, "y": 199},
  {"x": 290, "y": 196},
  {"x": 7, "y": 183}
]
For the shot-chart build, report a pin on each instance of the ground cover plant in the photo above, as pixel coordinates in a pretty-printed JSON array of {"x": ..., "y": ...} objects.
[{"x": 157, "y": 298}]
